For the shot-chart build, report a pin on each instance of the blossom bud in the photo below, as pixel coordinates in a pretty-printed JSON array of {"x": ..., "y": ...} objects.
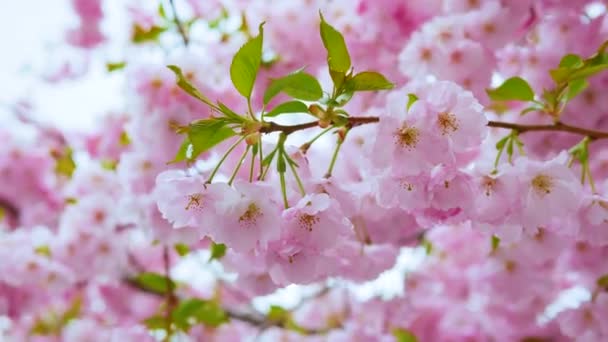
[
  {"x": 317, "y": 111},
  {"x": 252, "y": 138}
]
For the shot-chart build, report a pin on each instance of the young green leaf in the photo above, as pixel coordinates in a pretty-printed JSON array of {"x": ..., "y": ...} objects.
[
  {"x": 113, "y": 66},
  {"x": 402, "y": 335},
  {"x": 576, "y": 87},
  {"x": 143, "y": 35},
  {"x": 288, "y": 107},
  {"x": 299, "y": 85},
  {"x": 513, "y": 89},
  {"x": 64, "y": 162},
  {"x": 184, "y": 152},
  {"x": 218, "y": 250},
  {"x": 205, "y": 134},
  {"x": 411, "y": 99},
  {"x": 337, "y": 52},
  {"x": 368, "y": 81},
  {"x": 495, "y": 242},
  {"x": 571, "y": 61},
  {"x": 229, "y": 113},
  {"x": 188, "y": 87},
  {"x": 181, "y": 249},
  {"x": 153, "y": 282},
  {"x": 198, "y": 311},
  {"x": 156, "y": 322},
  {"x": 246, "y": 63}
]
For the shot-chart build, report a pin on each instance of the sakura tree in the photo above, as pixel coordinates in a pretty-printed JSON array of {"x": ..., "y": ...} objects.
[{"x": 268, "y": 143}]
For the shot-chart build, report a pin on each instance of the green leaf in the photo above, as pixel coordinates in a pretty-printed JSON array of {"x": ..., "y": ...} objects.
[
  {"x": 184, "y": 152},
  {"x": 72, "y": 312},
  {"x": 288, "y": 107},
  {"x": 337, "y": 52},
  {"x": 109, "y": 164},
  {"x": 218, "y": 250},
  {"x": 411, "y": 99},
  {"x": 110, "y": 66},
  {"x": 43, "y": 250},
  {"x": 124, "y": 139},
  {"x": 197, "y": 311},
  {"x": 533, "y": 108},
  {"x": 153, "y": 282},
  {"x": 246, "y": 63},
  {"x": 181, "y": 249},
  {"x": 143, "y": 35},
  {"x": 344, "y": 98},
  {"x": 576, "y": 87},
  {"x": 495, "y": 242},
  {"x": 428, "y": 246},
  {"x": 188, "y": 87},
  {"x": 155, "y": 322},
  {"x": 298, "y": 84},
  {"x": 64, "y": 162},
  {"x": 229, "y": 113},
  {"x": 403, "y": 335},
  {"x": 571, "y": 61},
  {"x": 205, "y": 134},
  {"x": 368, "y": 81},
  {"x": 602, "y": 282},
  {"x": 513, "y": 89},
  {"x": 277, "y": 314},
  {"x": 588, "y": 71},
  {"x": 161, "y": 11}
]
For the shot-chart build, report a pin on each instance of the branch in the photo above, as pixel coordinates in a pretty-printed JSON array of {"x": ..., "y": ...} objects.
[
  {"x": 180, "y": 26},
  {"x": 520, "y": 128},
  {"x": 561, "y": 127},
  {"x": 352, "y": 122},
  {"x": 253, "y": 318}
]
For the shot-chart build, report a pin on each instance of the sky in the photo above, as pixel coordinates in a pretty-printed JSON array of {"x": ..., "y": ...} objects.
[{"x": 33, "y": 33}]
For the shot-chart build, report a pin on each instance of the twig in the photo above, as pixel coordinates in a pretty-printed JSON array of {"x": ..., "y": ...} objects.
[
  {"x": 561, "y": 127},
  {"x": 352, "y": 122},
  {"x": 520, "y": 128},
  {"x": 180, "y": 26}
]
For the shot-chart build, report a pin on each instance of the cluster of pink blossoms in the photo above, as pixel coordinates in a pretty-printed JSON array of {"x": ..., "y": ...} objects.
[{"x": 496, "y": 187}]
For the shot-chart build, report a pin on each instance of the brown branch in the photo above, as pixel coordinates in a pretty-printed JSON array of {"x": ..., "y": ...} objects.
[
  {"x": 521, "y": 128},
  {"x": 560, "y": 127},
  {"x": 178, "y": 23},
  {"x": 352, "y": 122}
]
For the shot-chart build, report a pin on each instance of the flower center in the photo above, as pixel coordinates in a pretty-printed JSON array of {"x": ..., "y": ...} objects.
[
  {"x": 251, "y": 216},
  {"x": 407, "y": 137},
  {"x": 448, "y": 122},
  {"x": 488, "y": 185},
  {"x": 195, "y": 201},
  {"x": 406, "y": 185},
  {"x": 542, "y": 184},
  {"x": 307, "y": 221}
]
